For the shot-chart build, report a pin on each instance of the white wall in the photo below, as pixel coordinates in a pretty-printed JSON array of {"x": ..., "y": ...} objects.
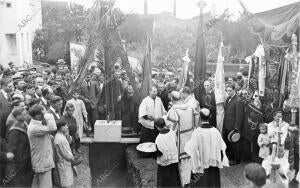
[{"x": 21, "y": 19}]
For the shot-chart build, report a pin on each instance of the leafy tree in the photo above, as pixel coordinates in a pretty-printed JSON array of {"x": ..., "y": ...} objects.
[{"x": 62, "y": 23}]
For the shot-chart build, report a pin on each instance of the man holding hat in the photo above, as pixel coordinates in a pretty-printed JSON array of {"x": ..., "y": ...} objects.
[{"x": 233, "y": 120}]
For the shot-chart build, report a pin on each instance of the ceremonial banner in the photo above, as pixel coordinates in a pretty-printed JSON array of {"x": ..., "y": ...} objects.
[
  {"x": 260, "y": 53},
  {"x": 254, "y": 117},
  {"x": 185, "y": 70},
  {"x": 272, "y": 86},
  {"x": 220, "y": 78},
  {"x": 147, "y": 68},
  {"x": 76, "y": 53},
  {"x": 253, "y": 76},
  {"x": 220, "y": 89}
]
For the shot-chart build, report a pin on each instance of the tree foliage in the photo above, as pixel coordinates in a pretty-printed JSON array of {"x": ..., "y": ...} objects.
[{"x": 62, "y": 23}]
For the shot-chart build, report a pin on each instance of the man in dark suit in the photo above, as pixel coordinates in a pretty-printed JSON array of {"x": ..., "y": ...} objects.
[
  {"x": 5, "y": 106},
  {"x": 47, "y": 94},
  {"x": 208, "y": 101},
  {"x": 233, "y": 120},
  {"x": 90, "y": 93},
  {"x": 163, "y": 94},
  {"x": 55, "y": 108}
]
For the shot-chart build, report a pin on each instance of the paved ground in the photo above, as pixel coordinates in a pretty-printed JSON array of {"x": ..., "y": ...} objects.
[
  {"x": 143, "y": 171},
  {"x": 105, "y": 166},
  {"x": 84, "y": 173},
  {"x": 233, "y": 177}
]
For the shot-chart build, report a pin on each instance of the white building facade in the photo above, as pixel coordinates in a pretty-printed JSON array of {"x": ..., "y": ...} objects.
[{"x": 19, "y": 19}]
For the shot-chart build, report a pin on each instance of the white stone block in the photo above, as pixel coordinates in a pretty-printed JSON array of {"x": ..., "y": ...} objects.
[{"x": 107, "y": 132}]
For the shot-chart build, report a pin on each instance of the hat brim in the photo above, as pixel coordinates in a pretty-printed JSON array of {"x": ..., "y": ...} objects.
[{"x": 233, "y": 136}]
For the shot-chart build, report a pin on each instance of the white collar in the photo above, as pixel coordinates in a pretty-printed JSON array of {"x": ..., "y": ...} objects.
[
  {"x": 44, "y": 100},
  {"x": 4, "y": 93},
  {"x": 54, "y": 111},
  {"x": 188, "y": 98},
  {"x": 36, "y": 121},
  {"x": 19, "y": 91}
]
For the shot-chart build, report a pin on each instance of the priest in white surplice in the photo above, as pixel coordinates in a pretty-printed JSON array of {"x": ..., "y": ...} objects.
[
  {"x": 181, "y": 118},
  {"x": 150, "y": 109}
]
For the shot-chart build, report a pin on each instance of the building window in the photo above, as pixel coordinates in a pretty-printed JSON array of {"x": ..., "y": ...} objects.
[
  {"x": 8, "y": 5},
  {"x": 11, "y": 44}
]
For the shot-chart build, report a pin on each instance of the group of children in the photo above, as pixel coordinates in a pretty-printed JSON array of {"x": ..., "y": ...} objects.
[{"x": 167, "y": 158}]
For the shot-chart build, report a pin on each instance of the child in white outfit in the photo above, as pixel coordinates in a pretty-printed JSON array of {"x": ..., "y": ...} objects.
[
  {"x": 167, "y": 156},
  {"x": 263, "y": 141}
]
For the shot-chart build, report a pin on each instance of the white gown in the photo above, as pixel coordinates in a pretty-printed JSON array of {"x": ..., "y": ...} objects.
[{"x": 79, "y": 114}]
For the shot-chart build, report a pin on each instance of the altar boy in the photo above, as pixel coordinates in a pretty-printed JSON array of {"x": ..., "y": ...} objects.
[{"x": 167, "y": 156}]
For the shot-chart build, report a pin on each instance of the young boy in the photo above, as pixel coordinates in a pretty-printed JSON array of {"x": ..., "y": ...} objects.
[
  {"x": 80, "y": 112},
  {"x": 64, "y": 156},
  {"x": 167, "y": 156},
  {"x": 72, "y": 126}
]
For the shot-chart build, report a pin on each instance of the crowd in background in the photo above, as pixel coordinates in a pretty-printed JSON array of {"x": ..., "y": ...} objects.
[{"x": 41, "y": 123}]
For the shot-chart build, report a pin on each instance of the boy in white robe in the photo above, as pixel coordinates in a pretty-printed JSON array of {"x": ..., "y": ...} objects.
[
  {"x": 80, "y": 112},
  {"x": 207, "y": 151}
]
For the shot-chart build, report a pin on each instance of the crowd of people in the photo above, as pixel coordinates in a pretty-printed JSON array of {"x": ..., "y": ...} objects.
[
  {"x": 41, "y": 125},
  {"x": 251, "y": 132}
]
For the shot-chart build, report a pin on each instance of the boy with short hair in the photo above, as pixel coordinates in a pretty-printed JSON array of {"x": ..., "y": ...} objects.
[
  {"x": 80, "y": 112},
  {"x": 72, "y": 126},
  {"x": 167, "y": 156}
]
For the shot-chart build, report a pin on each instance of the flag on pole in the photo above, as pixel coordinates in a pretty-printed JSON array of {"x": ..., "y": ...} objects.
[
  {"x": 185, "y": 70},
  {"x": 220, "y": 89},
  {"x": 200, "y": 63},
  {"x": 147, "y": 68}
]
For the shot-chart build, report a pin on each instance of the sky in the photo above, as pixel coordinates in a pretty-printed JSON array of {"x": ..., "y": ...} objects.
[{"x": 188, "y": 8}]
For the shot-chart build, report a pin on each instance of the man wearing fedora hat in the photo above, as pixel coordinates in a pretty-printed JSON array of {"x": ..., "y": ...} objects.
[{"x": 233, "y": 120}]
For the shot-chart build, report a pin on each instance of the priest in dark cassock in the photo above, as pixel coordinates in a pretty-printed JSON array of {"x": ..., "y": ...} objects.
[
  {"x": 112, "y": 103},
  {"x": 208, "y": 101},
  {"x": 163, "y": 94},
  {"x": 129, "y": 110}
]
